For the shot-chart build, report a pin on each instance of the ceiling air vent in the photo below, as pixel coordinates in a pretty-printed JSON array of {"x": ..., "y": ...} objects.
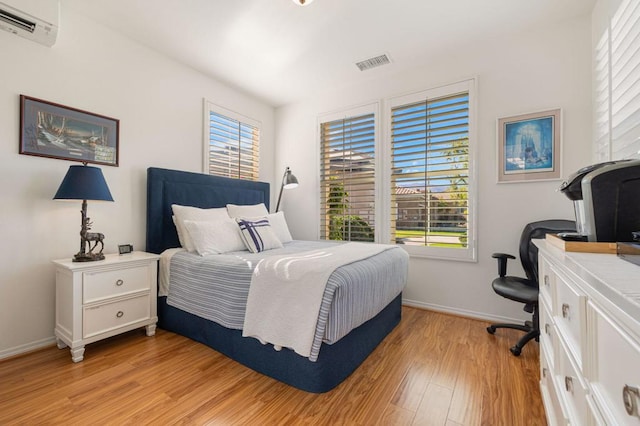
[{"x": 373, "y": 62}]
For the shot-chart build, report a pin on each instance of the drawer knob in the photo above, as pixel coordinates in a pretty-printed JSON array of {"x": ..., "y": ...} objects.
[
  {"x": 119, "y": 283},
  {"x": 546, "y": 328},
  {"x": 119, "y": 314},
  {"x": 565, "y": 310},
  {"x": 544, "y": 372},
  {"x": 630, "y": 397},
  {"x": 546, "y": 280},
  {"x": 568, "y": 383}
]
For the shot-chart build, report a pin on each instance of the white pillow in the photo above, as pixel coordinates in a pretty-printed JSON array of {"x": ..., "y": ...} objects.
[
  {"x": 255, "y": 210},
  {"x": 279, "y": 226},
  {"x": 257, "y": 234},
  {"x": 182, "y": 213},
  {"x": 215, "y": 237}
]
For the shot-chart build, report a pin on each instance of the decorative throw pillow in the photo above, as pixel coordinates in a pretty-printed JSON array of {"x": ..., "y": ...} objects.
[
  {"x": 215, "y": 237},
  {"x": 279, "y": 225},
  {"x": 255, "y": 210},
  {"x": 257, "y": 234},
  {"x": 182, "y": 213}
]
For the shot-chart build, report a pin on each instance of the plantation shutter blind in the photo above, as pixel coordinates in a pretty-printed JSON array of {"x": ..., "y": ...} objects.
[
  {"x": 617, "y": 86},
  {"x": 347, "y": 178},
  {"x": 233, "y": 148},
  {"x": 625, "y": 81},
  {"x": 430, "y": 172}
]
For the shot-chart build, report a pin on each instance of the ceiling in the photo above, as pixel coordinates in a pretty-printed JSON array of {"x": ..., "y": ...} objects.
[{"x": 282, "y": 53}]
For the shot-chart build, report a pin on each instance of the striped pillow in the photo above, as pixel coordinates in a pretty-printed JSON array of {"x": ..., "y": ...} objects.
[{"x": 258, "y": 235}]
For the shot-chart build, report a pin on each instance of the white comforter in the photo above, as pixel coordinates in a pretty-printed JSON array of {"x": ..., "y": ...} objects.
[{"x": 286, "y": 293}]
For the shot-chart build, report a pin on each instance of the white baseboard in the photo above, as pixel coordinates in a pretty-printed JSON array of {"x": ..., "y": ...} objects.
[
  {"x": 461, "y": 312},
  {"x": 29, "y": 347}
]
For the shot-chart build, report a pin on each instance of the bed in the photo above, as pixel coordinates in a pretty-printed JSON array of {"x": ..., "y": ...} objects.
[{"x": 334, "y": 361}]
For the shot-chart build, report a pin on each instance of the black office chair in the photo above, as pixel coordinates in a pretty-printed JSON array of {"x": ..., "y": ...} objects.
[{"x": 525, "y": 290}]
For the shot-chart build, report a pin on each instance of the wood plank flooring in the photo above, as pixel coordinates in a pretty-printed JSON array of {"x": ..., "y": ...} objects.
[{"x": 433, "y": 369}]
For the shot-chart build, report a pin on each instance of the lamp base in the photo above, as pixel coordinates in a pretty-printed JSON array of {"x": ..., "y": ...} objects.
[{"x": 88, "y": 257}]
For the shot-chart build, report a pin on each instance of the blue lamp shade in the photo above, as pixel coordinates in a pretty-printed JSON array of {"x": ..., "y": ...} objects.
[{"x": 83, "y": 183}]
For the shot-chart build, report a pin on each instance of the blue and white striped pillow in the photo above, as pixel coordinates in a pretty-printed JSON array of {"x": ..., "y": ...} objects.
[{"x": 257, "y": 234}]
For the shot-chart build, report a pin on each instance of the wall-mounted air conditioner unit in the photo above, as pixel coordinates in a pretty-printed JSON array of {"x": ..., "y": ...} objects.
[{"x": 35, "y": 20}]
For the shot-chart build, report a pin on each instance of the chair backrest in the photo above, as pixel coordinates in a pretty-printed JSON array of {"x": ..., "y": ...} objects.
[{"x": 528, "y": 250}]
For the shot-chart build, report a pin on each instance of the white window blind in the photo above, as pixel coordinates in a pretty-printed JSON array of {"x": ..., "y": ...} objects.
[
  {"x": 617, "y": 86},
  {"x": 430, "y": 173},
  {"x": 347, "y": 178},
  {"x": 232, "y": 144}
]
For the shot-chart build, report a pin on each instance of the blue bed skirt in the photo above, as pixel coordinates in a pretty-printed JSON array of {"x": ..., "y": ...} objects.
[{"x": 335, "y": 362}]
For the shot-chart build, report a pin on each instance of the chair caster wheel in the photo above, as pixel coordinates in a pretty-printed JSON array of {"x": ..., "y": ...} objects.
[
  {"x": 491, "y": 329},
  {"x": 515, "y": 350}
]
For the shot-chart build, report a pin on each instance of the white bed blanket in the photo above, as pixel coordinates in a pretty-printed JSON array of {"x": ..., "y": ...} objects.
[{"x": 286, "y": 293}]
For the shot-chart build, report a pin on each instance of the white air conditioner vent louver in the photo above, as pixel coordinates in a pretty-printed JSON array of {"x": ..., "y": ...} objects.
[
  {"x": 376, "y": 61},
  {"x": 36, "y": 20}
]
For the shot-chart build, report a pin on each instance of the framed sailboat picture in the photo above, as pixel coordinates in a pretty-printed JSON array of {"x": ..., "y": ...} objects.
[{"x": 56, "y": 131}]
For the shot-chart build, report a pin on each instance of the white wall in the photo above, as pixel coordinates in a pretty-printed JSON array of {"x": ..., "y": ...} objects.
[
  {"x": 534, "y": 71},
  {"x": 159, "y": 105}
]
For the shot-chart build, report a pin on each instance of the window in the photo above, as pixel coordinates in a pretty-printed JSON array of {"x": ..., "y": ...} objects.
[
  {"x": 617, "y": 86},
  {"x": 348, "y": 176},
  {"x": 431, "y": 208},
  {"x": 231, "y": 144}
]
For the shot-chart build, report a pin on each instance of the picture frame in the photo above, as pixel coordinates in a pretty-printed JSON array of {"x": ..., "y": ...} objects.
[
  {"x": 52, "y": 130},
  {"x": 530, "y": 147},
  {"x": 125, "y": 248}
]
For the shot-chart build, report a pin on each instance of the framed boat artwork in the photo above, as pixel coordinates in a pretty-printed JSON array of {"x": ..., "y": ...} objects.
[{"x": 51, "y": 130}]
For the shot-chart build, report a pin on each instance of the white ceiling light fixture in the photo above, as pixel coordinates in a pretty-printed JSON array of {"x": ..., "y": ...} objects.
[{"x": 302, "y": 2}]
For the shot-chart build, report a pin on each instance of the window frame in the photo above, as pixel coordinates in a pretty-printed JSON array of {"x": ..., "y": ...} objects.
[
  {"x": 469, "y": 86},
  {"x": 208, "y": 108},
  {"x": 367, "y": 108}
]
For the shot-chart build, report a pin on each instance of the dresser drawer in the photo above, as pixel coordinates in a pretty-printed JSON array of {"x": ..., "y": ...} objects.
[
  {"x": 572, "y": 390},
  {"x": 616, "y": 371},
  {"x": 110, "y": 316},
  {"x": 548, "y": 336},
  {"x": 569, "y": 314},
  {"x": 553, "y": 409},
  {"x": 106, "y": 284},
  {"x": 546, "y": 284}
]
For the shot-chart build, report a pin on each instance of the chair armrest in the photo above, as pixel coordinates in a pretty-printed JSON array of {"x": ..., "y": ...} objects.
[{"x": 502, "y": 262}]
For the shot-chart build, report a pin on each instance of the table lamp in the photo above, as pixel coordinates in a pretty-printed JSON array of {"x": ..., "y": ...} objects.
[{"x": 85, "y": 183}]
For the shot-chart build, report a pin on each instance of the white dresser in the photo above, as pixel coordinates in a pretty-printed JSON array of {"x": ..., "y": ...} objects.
[
  {"x": 96, "y": 300},
  {"x": 589, "y": 338}
]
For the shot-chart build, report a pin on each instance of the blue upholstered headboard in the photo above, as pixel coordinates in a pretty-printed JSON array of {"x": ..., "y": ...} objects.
[{"x": 166, "y": 187}]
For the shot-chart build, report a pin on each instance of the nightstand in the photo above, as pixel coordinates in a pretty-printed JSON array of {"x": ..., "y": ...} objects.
[{"x": 96, "y": 300}]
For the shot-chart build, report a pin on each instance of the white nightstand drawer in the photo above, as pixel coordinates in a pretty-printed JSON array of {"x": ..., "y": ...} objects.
[
  {"x": 109, "y": 316},
  {"x": 107, "y": 284},
  {"x": 616, "y": 373}
]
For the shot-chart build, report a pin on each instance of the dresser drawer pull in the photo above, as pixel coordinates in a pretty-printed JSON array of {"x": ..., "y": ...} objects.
[
  {"x": 546, "y": 280},
  {"x": 630, "y": 396},
  {"x": 546, "y": 328},
  {"x": 568, "y": 383},
  {"x": 565, "y": 310},
  {"x": 119, "y": 314},
  {"x": 119, "y": 283},
  {"x": 544, "y": 372}
]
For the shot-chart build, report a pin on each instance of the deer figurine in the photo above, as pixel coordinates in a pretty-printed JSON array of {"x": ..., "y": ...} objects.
[{"x": 89, "y": 237}]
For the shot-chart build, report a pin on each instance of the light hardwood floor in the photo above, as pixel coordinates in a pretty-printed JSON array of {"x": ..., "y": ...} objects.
[{"x": 433, "y": 369}]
